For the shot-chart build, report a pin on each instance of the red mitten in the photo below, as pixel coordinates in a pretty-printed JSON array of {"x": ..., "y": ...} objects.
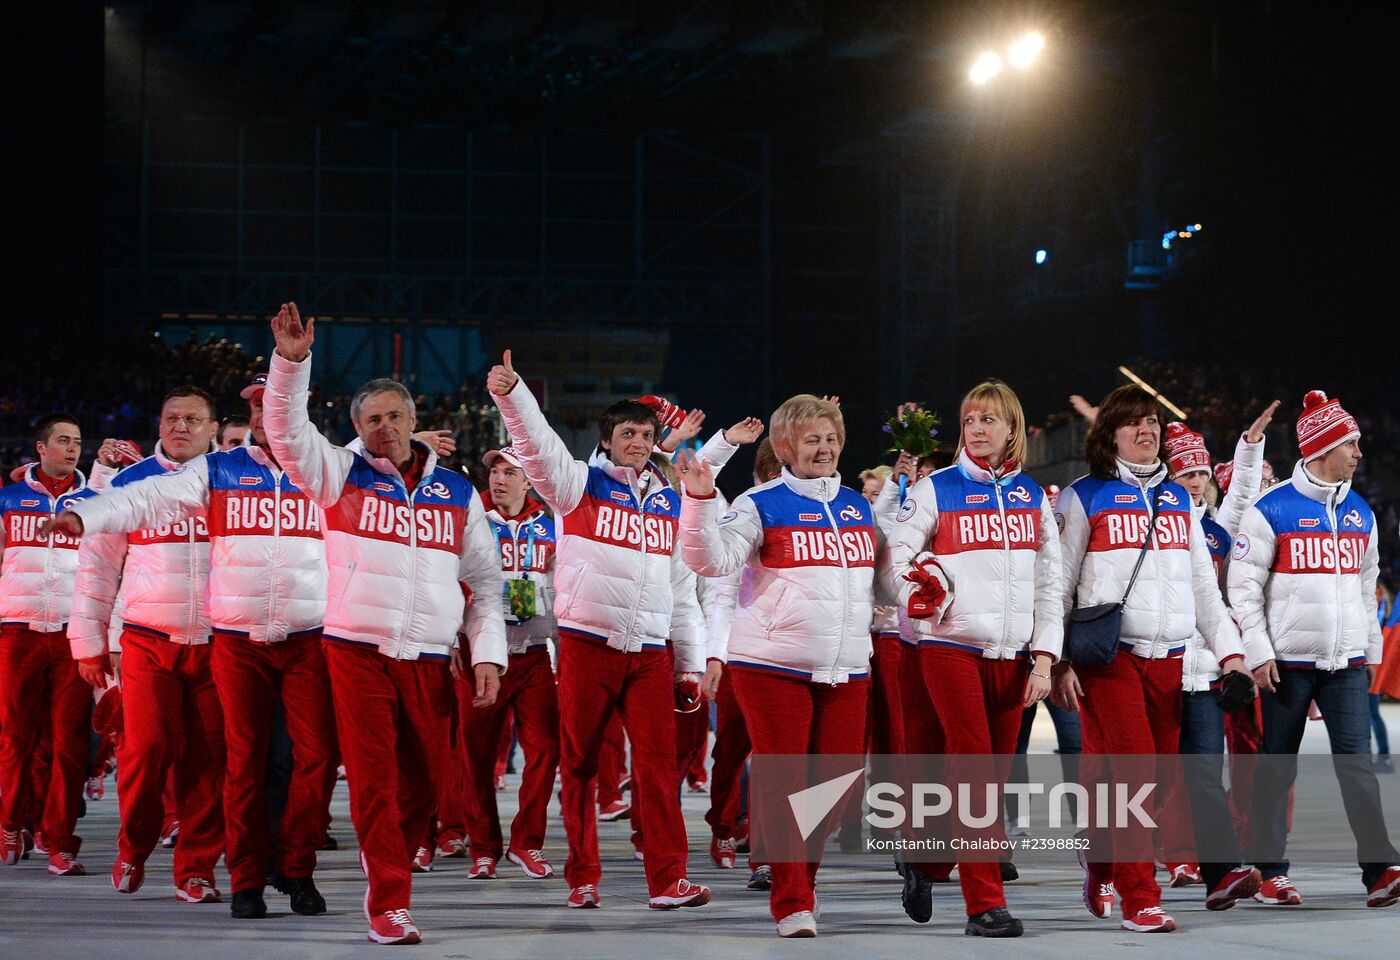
[
  {"x": 687, "y": 692},
  {"x": 931, "y": 586},
  {"x": 667, "y": 413},
  {"x": 466, "y": 592}
]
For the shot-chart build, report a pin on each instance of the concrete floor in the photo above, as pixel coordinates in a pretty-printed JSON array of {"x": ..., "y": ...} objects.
[{"x": 43, "y": 916}]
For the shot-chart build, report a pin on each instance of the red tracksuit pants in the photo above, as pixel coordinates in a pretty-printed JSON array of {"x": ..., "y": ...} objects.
[
  {"x": 174, "y": 726},
  {"x": 789, "y": 715},
  {"x": 1131, "y": 706},
  {"x": 959, "y": 702},
  {"x": 884, "y": 725},
  {"x": 40, "y": 689},
  {"x": 731, "y": 750},
  {"x": 528, "y": 694},
  {"x": 395, "y": 719},
  {"x": 250, "y": 678},
  {"x": 594, "y": 681},
  {"x": 612, "y": 762}
]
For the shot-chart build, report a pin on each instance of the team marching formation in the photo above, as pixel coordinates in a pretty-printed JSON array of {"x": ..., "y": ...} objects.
[{"x": 401, "y": 619}]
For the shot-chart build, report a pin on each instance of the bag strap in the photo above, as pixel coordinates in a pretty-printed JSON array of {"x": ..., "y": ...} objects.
[{"x": 1146, "y": 543}]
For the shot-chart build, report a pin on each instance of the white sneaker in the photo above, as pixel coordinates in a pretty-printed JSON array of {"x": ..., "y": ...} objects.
[{"x": 799, "y": 924}]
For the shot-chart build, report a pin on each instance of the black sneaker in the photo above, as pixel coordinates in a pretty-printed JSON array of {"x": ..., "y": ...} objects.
[
  {"x": 762, "y": 878},
  {"x": 305, "y": 898},
  {"x": 917, "y": 896},
  {"x": 1009, "y": 872},
  {"x": 899, "y": 866},
  {"x": 996, "y": 922},
  {"x": 850, "y": 838},
  {"x": 248, "y": 905},
  {"x": 328, "y": 842}
]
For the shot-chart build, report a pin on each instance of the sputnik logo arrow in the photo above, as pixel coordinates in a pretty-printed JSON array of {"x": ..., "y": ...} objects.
[{"x": 810, "y": 806}]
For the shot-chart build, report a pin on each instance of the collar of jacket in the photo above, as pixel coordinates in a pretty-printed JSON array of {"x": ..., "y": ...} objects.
[
  {"x": 1131, "y": 479},
  {"x": 386, "y": 466},
  {"x": 1314, "y": 489},
  {"x": 823, "y": 489},
  {"x": 978, "y": 472},
  {"x": 643, "y": 484},
  {"x": 164, "y": 460},
  {"x": 34, "y": 483},
  {"x": 261, "y": 456}
]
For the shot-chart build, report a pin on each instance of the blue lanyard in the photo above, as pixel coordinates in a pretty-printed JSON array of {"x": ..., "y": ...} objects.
[{"x": 529, "y": 557}]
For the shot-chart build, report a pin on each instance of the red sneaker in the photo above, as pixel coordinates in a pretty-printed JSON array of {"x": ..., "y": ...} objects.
[
  {"x": 617, "y": 810},
  {"x": 1098, "y": 897},
  {"x": 532, "y": 863},
  {"x": 423, "y": 861},
  {"x": 1239, "y": 883},
  {"x": 41, "y": 846},
  {"x": 1279, "y": 891},
  {"x": 682, "y": 893},
  {"x": 170, "y": 832},
  {"x": 483, "y": 868},
  {"x": 501, "y": 783},
  {"x": 722, "y": 852},
  {"x": 127, "y": 877},
  {"x": 1386, "y": 890},
  {"x": 1149, "y": 920},
  {"x": 197, "y": 890},
  {"x": 584, "y": 897},
  {"x": 96, "y": 788},
  {"x": 393, "y": 927},
  {"x": 1184, "y": 874},
  {"x": 452, "y": 849},
  {"x": 66, "y": 865},
  {"x": 11, "y": 847},
  {"x": 699, "y": 785}
]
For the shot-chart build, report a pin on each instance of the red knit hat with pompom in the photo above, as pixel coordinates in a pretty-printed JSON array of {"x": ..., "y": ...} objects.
[
  {"x": 1186, "y": 450},
  {"x": 1323, "y": 425}
]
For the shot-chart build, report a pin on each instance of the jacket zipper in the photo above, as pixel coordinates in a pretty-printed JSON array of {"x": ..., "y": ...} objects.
[
  {"x": 48, "y": 564},
  {"x": 412, "y": 560},
  {"x": 1157, "y": 568},
  {"x": 1336, "y": 574},
  {"x": 1006, "y": 571},
  {"x": 276, "y": 551},
  {"x": 641, "y": 503},
  {"x": 845, "y": 583}
]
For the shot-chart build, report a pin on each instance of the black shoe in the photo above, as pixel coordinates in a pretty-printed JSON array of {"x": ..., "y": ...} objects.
[
  {"x": 761, "y": 879},
  {"x": 305, "y": 898},
  {"x": 248, "y": 905},
  {"x": 996, "y": 922},
  {"x": 1009, "y": 872},
  {"x": 850, "y": 838},
  {"x": 917, "y": 896},
  {"x": 899, "y": 866},
  {"x": 328, "y": 843}
]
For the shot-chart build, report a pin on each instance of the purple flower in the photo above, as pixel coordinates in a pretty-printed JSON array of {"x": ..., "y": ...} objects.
[
  {"x": 933, "y": 433},
  {"x": 887, "y": 428}
]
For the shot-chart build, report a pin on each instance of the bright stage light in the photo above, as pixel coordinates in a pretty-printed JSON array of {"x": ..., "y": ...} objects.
[
  {"x": 1041, "y": 256},
  {"x": 988, "y": 65},
  {"x": 1024, "y": 51}
]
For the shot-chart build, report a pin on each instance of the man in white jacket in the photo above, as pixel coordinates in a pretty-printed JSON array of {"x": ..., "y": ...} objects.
[
  {"x": 406, "y": 541},
  {"x": 267, "y": 596},
  {"x": 621, "y": 593},
  {"x": 1302, "y": 581}
]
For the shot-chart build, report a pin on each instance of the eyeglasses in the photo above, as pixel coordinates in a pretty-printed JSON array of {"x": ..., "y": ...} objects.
[{"x": 194, "y": 423}]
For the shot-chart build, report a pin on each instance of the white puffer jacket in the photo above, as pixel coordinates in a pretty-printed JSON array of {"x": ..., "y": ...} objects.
[
  {"x": 527, "y": 544},
  {"x": 1302, "y": 576},
  {"x": 618, "y": 578},
  {"x": 267, "y": 577},
  {"x": 162, "y": 572},
  {"x": 397, "y": 558},
  {"x": 812, "y": 546},
  {"x": 996, "y": 540},
  {"x": 1103, "y": 525},
  {"x": 37, "y": 573},
  {"x": 1198, "y": 668}
]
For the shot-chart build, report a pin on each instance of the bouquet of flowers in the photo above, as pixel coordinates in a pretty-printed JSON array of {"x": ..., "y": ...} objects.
[{"x": 913, "y": 429}]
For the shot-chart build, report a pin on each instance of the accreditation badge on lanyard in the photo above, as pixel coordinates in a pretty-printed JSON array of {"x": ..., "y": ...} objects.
[{"x": 519, "y": 592}]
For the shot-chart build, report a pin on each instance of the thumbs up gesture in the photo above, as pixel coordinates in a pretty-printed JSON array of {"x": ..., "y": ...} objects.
[{"x": 502, "y": 378}]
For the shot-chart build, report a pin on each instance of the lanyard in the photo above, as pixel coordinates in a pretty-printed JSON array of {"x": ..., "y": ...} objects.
[{"x": 528, "y": 558}]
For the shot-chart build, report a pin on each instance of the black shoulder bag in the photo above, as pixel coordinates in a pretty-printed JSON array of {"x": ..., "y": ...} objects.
[{"x": 1092, "y": 633}]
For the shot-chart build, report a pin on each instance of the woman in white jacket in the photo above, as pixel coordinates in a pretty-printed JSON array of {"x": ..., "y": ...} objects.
[
  {"x": 1132, "y": 705},
  {"x": 975, "y": 562},
  {"x": 799, "y": 645}
]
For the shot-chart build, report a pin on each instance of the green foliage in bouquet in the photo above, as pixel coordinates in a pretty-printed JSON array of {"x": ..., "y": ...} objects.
[{"x": 914, "y": 430}]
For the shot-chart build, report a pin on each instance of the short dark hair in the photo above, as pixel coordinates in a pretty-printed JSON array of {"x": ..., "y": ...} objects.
[
  {"x": 44, "y": 428},
  {"x": 233, "y": 421},
  {"x": 190, "y": 390},
  {"x": 1125, "y": 403},
  {"x": 765, "y": 461},
  {"x": 626, "y": 411}
]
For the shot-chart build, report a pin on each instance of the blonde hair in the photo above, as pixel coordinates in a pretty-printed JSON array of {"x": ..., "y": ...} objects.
[
  {"x": 882, "y": 472},
  {"x": 997, "y": 397},
  {"x": 795, "y": 413}
]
